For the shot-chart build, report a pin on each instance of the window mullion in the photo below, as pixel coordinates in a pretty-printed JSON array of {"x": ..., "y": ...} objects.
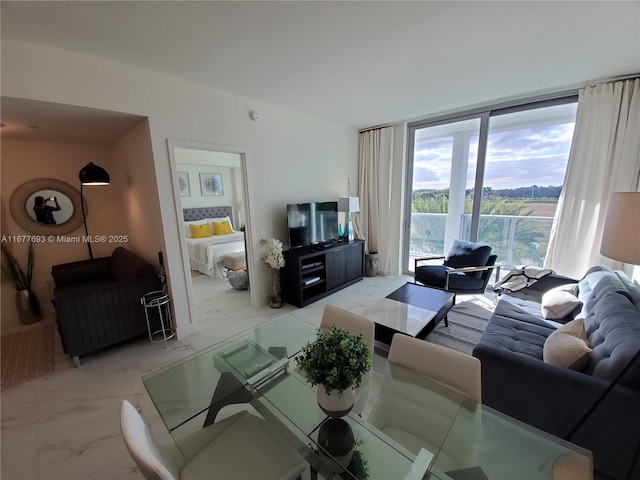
[{"x": 477, "y": 196}]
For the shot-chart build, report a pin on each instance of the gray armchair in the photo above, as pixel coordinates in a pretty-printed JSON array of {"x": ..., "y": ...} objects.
[
  {"x": 97, "y": 301},
  {"x": 466, "y": 269}
]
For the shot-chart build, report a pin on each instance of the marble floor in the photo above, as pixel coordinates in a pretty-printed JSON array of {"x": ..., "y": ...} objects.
[{"x": 66, "y": 426}]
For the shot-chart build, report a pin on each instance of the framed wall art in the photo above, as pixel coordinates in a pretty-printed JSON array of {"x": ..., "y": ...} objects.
[
  {"x": 183, "y": 184},
  {"x": 211, "y": 184}
]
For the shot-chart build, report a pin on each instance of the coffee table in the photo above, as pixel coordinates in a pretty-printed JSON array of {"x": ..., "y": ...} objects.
[{"x": 412, "y": 309}]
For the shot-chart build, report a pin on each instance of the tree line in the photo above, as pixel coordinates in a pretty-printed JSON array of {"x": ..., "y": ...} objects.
[{"x": 533, "y": 191}]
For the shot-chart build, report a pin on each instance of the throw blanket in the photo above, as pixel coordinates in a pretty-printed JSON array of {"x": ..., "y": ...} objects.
[
  {"x": 520, "y": 277},
  {"x": 202, "y": 246}
]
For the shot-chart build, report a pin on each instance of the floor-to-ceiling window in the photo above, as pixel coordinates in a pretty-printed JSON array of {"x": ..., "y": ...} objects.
[{"x": 515, "y": 156}]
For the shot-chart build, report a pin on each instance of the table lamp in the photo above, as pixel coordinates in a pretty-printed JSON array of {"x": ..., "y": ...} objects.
[
  {"x": 621, "y": 238},
  {"x": 348, "y": 205}
]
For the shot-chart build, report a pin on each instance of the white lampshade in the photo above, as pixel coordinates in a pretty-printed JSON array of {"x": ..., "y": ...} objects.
[
  {"x": 349, "y": 204},
  {"x": 621, "y": 238}
]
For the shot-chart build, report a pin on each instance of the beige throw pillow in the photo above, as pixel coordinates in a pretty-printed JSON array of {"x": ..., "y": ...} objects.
[
  {"x": 568, "y": 346},
  {"x": 559, "y": 302}
]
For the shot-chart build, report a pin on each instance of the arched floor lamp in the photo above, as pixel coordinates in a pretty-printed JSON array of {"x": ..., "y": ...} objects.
[{"x": 91, "y": 174}]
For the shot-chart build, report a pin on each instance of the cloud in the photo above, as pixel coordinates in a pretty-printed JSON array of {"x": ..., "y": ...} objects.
[{"x": 515, "y": 158}]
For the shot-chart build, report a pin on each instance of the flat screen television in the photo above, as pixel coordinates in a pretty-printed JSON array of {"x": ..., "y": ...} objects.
[{"x": 311, "y": 223}]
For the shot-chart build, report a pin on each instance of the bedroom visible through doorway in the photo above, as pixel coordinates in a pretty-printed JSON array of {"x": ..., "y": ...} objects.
[{"x": 211, "y": 187}]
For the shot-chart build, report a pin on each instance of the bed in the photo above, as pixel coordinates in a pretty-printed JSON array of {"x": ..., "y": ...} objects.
[{"x": 205, "y": 254}]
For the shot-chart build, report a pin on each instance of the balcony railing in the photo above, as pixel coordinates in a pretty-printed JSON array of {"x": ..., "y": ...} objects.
[{"x": 517, "y": 240}]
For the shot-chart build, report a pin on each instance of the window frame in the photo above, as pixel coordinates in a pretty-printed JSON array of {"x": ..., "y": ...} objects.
[{"x": 484, "y": 114}]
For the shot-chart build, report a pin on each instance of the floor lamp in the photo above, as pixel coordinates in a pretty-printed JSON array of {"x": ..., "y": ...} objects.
[
  {"x": 620, "y": 241},
  {"x": 91, "y": 174}
]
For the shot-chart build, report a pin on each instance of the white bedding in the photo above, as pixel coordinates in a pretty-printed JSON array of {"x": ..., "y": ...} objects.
[{"x": 205, "y": 254}]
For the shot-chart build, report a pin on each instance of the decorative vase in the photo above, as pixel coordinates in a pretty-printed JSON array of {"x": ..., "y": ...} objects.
[
  {"x": 275, "y": 298},
  {"x": 335, "y": 437},
  {"x": 336, "y": 404},
  {"x": 28, "y": 307}
]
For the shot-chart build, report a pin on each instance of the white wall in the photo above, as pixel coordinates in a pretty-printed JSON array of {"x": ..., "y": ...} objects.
[
  {"x": 228, "y": 165},
  {"x": 23, "y": 161},
  {"x": 290, "y": 157}
]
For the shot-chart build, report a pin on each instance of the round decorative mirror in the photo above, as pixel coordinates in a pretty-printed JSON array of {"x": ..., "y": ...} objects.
[
  {"x": 45, "y": 206},
  {"x": 49, "y": 207}
]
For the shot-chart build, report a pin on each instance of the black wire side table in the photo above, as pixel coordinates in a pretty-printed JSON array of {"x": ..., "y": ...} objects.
[{"x": 159, "y": 300}]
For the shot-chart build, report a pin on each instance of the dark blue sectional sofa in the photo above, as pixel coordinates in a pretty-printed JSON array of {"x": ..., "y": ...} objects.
[{"x": 516, "y": 380}]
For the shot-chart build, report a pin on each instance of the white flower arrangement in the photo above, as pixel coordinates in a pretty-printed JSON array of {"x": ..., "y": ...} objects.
[{"x": 273, "y": 257}]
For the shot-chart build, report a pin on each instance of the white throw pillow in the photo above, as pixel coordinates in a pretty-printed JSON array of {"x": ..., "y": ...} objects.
[
  {"x": 568, "y": 346},
  {"x": 559, "y": 302}
]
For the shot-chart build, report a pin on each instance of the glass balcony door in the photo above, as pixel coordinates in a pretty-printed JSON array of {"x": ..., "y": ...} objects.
[
  {"x": 444, "y": 162},
  {"x": 525, "y": 166},
  {"x": 516, "y": 157}
]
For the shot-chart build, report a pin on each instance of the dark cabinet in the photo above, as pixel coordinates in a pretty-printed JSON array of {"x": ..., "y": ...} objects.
[{"x": 311, "y": 273}]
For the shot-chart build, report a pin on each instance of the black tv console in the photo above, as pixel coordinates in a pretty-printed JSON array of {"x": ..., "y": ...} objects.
[{"x": 313, "y": 272}]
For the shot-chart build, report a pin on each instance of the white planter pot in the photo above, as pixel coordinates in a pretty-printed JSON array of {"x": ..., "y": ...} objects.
[{"x": 336, "y": 404}]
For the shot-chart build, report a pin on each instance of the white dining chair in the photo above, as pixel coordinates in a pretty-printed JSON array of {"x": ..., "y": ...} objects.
[
  {"x": 242, "y": 446},
  {"x": 450, "y": 368},
  {"x": 419, "y": 416},
  {"x": 353, "y": 323}
]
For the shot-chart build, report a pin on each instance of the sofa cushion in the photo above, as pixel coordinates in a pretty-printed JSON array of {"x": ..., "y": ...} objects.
[
  {"x": 82, "y": 272},
  {"x": 597, "y": 283},
  {"x": 516, "y": 336},
  {"x": 613, "y": 328},
  {"x": 633, "y": 290},
  {"x": 467, "y": 254},
  {"x": 560, "y": 302},
  {"x": 523, "y": 311},
  {"x": 126, "y": 265},
  {"x": 567, "y": 346}
]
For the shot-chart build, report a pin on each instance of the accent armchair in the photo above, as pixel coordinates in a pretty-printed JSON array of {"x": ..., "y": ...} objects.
[
  {"x": 466, "y": 269},
  {"x": 97, "y": 301}
]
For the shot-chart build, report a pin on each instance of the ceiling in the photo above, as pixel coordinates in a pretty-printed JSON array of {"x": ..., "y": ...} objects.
[
  {"x": 33, "y": 120},
  {"x": 355, "y": 63}
]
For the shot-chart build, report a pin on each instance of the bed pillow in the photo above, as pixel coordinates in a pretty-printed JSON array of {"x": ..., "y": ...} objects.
[
  {"x": 187, "y": 225},
  {"x": 200, "y": 231},
  {"x": 560, "y": 301},
  {"x": 220, "y": 220},
  {"x": 568, "y": 346},
  {"x": 222, "y": 228}
]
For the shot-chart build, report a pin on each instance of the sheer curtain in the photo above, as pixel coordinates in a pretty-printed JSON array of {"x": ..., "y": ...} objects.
[
  {"x": 375, "y": 175},
  {"x": 604, "y": 158}
]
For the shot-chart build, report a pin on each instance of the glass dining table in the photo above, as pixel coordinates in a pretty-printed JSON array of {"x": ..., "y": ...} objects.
[{"x": 258, "y": 368}]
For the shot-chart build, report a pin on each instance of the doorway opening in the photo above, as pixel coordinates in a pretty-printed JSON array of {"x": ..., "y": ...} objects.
[{"x": 210, "y": 187}]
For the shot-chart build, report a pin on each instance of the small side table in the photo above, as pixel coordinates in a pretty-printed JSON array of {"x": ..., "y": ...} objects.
[{"x": 159, "y": 300}]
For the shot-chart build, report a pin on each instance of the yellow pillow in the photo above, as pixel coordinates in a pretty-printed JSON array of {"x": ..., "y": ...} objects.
[
  {"x": 222, "y": 228},
  {"x": 200, "y": 231}
]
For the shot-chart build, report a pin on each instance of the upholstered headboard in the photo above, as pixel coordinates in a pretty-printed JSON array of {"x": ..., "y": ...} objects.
[{"x": 190, "y": 214}]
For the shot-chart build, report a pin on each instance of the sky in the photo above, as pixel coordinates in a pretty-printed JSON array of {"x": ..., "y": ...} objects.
[{"x": 516, "y": 156}]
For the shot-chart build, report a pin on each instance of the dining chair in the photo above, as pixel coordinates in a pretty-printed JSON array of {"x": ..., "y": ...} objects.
[
  {"x": 242, "y": 446},
  {"x": 466, "y": 269},
  {"x": 418, "y": 416},
  {"x": 354, "y": 323}
]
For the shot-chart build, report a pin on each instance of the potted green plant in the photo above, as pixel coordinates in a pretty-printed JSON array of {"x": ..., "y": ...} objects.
[
  {"x": 336, "y": 362},
  {"x": 26, "y": 301}
]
